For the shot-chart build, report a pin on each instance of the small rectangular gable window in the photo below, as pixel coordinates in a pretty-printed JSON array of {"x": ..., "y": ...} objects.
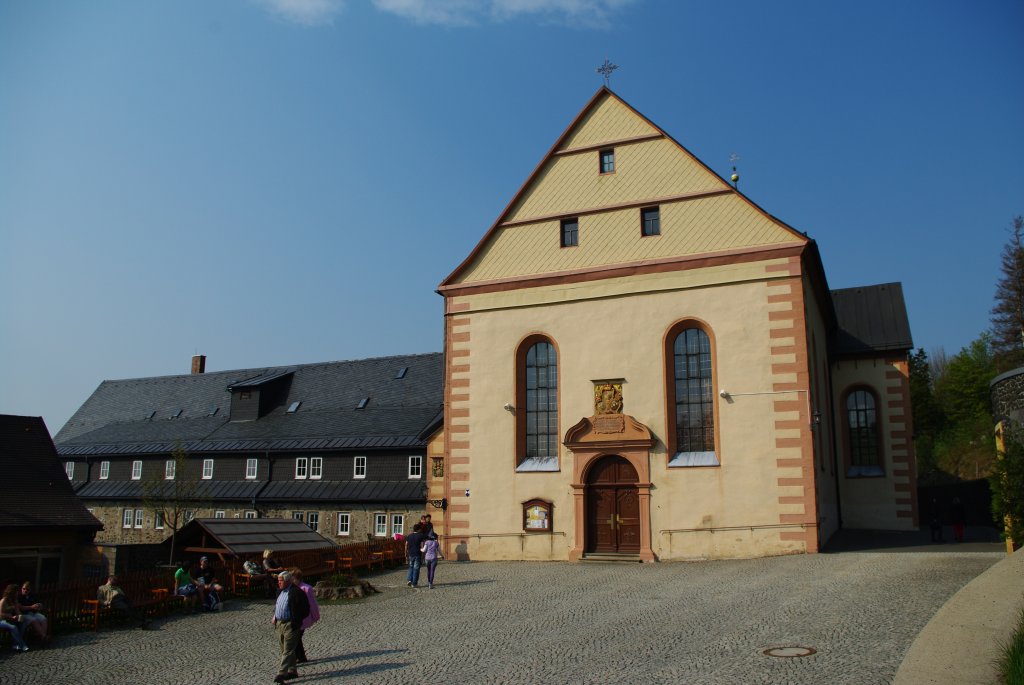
[
  {"x": 607, "y": 164},
  {"x": 415, "y": 467},
  {"x": 136, "y": 470},
  {"x": 244, "y": 395},
  {"x": 344, "y": 523},
  {"x": 570, "y": 232},
  {"x": 104, "y": 470},
  {"x": 250, "y": 469},
  {"x": 299, "y": 515},
  {"x": 207, "y": 469},
  {"x": 316, "y": 467},
  {"x": 69, "y": 468},
  {"x": 169, "y": 469},
  {"x": 360, "y": 468},
  {"x": 219, "y": 514},
  {"x": 650, "y": 220},
  {"x": 301, "y": 467},
  {"x": 250, "y": 514}
]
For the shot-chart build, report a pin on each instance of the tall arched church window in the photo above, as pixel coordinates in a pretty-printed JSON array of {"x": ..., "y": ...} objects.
[
  {"x": 537, "y": 405},
  {"x": 691, "y": 396},
  {"x": 863, "y": 434}
]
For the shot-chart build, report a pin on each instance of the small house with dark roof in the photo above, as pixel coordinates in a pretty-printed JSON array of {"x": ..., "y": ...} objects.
[
  {"x": 340, "y": 445},
  {"x": 45, "y": 530}
]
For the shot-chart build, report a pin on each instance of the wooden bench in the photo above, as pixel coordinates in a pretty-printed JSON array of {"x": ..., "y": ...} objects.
[{"x": 159, "y": 601}]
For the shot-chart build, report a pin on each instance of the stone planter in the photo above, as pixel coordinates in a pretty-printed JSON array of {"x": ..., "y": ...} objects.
[{"x": 326, "y": 592}]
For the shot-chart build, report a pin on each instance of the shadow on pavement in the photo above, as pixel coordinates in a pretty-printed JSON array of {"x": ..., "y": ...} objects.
[
  {"x": 359, "y": 670},
  {"x": 976, "y": 539}
]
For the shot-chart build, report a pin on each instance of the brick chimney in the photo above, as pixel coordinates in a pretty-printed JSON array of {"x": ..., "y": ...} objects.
[{"x": 199, "y": 363}]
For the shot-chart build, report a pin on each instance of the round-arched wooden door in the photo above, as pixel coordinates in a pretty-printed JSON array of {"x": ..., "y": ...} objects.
[{"x": 613, "y": 507}]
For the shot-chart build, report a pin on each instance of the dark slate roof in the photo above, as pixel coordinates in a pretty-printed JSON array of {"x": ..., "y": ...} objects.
[
  {"x": 252, "y": 536},
  {"x": 38, "y": 493},
  {"x": 872, "y": 318},
  {"x": 352, "y": 490},
  {"x": 205, "y": 489},
  {"x": 115, "y": 419}
]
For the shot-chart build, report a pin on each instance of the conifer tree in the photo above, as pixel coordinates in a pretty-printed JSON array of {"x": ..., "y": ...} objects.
[{"x": 1008, "y": 312}]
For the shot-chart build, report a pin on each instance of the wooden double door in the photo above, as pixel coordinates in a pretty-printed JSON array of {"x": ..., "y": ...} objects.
[{"x": 613, "y": 507}]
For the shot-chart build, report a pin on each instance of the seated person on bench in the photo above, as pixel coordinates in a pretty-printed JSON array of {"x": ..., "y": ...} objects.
[{"x": 112, "y": 597}]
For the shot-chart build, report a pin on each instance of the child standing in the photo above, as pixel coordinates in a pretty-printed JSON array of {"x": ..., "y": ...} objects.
[{"x": 429, "y": 549}]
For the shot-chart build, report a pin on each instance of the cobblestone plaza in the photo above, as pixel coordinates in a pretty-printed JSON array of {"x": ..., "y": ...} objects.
[{"x": 521, "y": 622}]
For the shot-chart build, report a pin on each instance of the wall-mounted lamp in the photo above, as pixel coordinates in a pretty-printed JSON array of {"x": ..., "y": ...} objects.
[
  {"x": 467, "y": 492},
  {"x": 508, "y": 407},
  {"x": 815, "y": 418},
  {"x": 724, "y": 394}
]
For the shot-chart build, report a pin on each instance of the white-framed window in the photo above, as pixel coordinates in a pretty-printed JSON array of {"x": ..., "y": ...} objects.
[
  {"x": 138, "y": 518},
  {"x": 250, "y": 514},
  {"x": 207, "y": 469},
  {"x": 397, "y": 524},
  {"x": 169, "y": 469},
  {"x": 299, "y": 515},
  {"x": 301, "y": 467},
  {"x": 250, "y": 469},
  {"x": 104, "y": 470},
  {"x": 416, "y": 466},
  {"x": 69, "y": 468},
  {"x": 158, "y": 520},
  {"x": 360, "y": 468},
  {"x": 126, "y": 520},
  {"x": 189, "y": 515},
  {"x": 136, "y": 470},
  {"x": 380, "y": 525},
  {"x": 313, "y": 519},
  {"x": 219, "y": 514},
  {"x": 316, "y": 467},
  {"x": 344, "y": 523}
]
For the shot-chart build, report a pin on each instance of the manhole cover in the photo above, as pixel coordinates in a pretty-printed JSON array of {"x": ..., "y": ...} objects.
[{"x": 789, "y": 652}]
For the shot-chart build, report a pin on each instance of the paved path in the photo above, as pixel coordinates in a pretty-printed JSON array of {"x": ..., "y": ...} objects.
[{"x": 522, "y": 622}]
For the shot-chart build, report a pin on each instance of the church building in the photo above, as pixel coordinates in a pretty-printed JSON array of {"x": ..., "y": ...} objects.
[{"x": 641, "y": 363}]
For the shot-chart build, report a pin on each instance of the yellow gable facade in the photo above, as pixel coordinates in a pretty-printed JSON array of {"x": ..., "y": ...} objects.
[{"x": 638, "y": 367}]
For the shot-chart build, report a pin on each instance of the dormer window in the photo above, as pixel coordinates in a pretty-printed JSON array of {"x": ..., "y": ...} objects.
[
  {"x": 294, "y": 407},
  {"x": 362, "y": 403},
  {"x": 607, "y": 161}
]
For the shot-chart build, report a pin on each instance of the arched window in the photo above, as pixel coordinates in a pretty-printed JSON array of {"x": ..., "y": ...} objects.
[
  {"x": 691, "y": 396},
  {"x": 537, "y": 405},
  {"x": 863, "y": 434}
]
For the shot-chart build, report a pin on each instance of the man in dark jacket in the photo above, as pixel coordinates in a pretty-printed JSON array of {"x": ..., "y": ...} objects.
[
  {"x": 290, "y": 611},
  {"x": 412, "y": 553}
]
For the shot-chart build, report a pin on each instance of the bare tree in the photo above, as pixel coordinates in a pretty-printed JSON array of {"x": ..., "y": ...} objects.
[{"x": 174, "y": 493}]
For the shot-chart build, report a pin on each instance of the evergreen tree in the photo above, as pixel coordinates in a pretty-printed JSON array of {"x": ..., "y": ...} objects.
[
  {"x": 928, "y": 417},
  {"x": 1008, "y": 312}
]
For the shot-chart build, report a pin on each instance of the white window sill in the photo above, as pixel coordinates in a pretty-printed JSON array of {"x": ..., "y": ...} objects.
[
  {"x": 538, "y": 464},
  {"x": 683, "y": 459}
]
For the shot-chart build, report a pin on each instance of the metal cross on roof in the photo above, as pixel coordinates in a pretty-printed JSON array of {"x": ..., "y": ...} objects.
[{"x": 606, "y": 70}]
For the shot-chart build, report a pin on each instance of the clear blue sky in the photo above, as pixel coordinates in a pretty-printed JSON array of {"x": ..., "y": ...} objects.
[{"x": 287, "y": 181}]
